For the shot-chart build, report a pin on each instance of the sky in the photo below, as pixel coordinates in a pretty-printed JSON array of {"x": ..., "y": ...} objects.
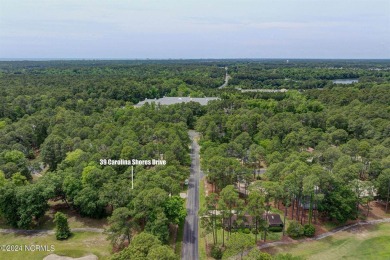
[{"x": 192, "y": 29}]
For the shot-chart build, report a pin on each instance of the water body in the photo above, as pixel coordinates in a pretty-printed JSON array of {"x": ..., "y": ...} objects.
[{"x": 345, "y": 81}]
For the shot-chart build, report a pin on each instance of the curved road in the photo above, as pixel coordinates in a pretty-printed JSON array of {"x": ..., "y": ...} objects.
[
  {"x": 190, "y": 239},
  {"x": 227, "y": 77}
]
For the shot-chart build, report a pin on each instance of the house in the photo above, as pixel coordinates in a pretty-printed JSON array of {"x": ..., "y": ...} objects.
[
  {"x": 259, "y": 171},
  {"x": 305, "y": 203},
  {"x": 248, "y": 221},
  {"x": 245, "y": 221},
  {"x": 310, "y": 149},
  {"x": 364, "y": 189},
  {"x": 274, "y": 220},
  {"x": 176, "y": 100}
]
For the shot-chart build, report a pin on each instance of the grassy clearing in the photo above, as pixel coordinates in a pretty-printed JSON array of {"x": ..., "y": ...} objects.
[
  {"x": 179, "y": 236},
  {"x": 179, "y": 240},
  {"x": 202, "y": 240},
  {"x": 80, "y": 244},
  {"x": 74, "y": 220},
  {"x": 202, "y": 245},
  {"x": 271, "y": 236},
  {"x": 202, "y": 195},
  {"x": 366, "y": 242}
]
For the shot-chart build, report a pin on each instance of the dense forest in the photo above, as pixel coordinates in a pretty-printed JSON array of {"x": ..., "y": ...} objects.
[
  {"x": 322, "y": 144},
  {"x": 324, "y": 152},
  {"x": 304, "y": 74}
]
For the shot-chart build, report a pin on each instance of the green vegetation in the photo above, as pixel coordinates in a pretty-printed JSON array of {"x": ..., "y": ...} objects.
[
  {"x": 367, "y": 242},
  {"x": 234, "y": 251},
  {"x": 317, "y": 151},
  {"x": 179, "y": 238},
  {"x": 256, "y": 254},
  {"x": 295, "y": 230},
  {"x": 62, "y": 227},
  {"x": 309, "y": 230},
  {"x": 322, "y": 155},
  {"x": 145, "y": 246},
  {"x": 216, "y": 252},
  {"x": 201, "y": 231},
  {"x": 121, "y": 227},
  {"x": 80, "y": 244}
]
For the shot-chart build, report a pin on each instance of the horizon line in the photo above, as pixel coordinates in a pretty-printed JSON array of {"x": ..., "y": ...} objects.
[{"x": 173, "y": 59}]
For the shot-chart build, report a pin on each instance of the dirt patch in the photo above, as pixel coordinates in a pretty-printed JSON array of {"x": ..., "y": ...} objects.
[
  {"x": 57, "y": 257},
  {"x": 208, "y": 187},
  {"x": 377, "y": 210},
  {"x": 284, "y": 239},
  {"x": 75, "y": 220}
]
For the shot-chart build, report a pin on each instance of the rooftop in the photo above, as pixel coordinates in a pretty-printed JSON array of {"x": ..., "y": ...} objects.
[{"x": 175, "y": 100}]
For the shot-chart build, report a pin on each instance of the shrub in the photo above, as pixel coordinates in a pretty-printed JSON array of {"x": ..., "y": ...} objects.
[
  {"x": 256, "y": 254},
  {"x": 216, "y": 252},
  {"x": 309, "y": 230},
  {"x": 62, "y": 227},
  {"x": 275, "y": 229},
  {"x": 246, "y": 230},
  {"x": 295, "y": 230}
]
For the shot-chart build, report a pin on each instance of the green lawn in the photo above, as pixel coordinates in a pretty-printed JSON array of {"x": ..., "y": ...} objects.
[
  {"x": 179, "y": 239},
  {"x": 74, "y": 220},
  {"x": 202, "y": 195},
  {"x": 80, "y": 244},
  {"x": 368, "y": 242},
  {"x": 202, "y": 239},
  {"x": 179, "y": 236},
  {"x": 271, "y": 236}
]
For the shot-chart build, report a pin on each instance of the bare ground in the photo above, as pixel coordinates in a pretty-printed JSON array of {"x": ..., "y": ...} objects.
[{"x": 57, "y": 257}]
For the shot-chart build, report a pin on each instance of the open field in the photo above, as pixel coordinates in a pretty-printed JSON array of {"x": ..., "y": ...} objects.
[
  {"x": 230, "y": 252},
  {"x": 80, "y": 244},
  {"x": 179, "y": 239},
  {"x": 74, "y": 219},
  {"x": 363, "y": 242}
]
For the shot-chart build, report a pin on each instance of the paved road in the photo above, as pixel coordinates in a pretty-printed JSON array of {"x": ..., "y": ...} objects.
[
  {"x": 227, "y": 77},
  {"x": 190, "y": 239}
]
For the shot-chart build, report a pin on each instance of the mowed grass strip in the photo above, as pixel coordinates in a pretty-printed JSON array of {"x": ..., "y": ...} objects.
[
  {"x": 366, "y": 242},
  {"x": 80, "y": 244},
  {"x": 202, "y": 239}
]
